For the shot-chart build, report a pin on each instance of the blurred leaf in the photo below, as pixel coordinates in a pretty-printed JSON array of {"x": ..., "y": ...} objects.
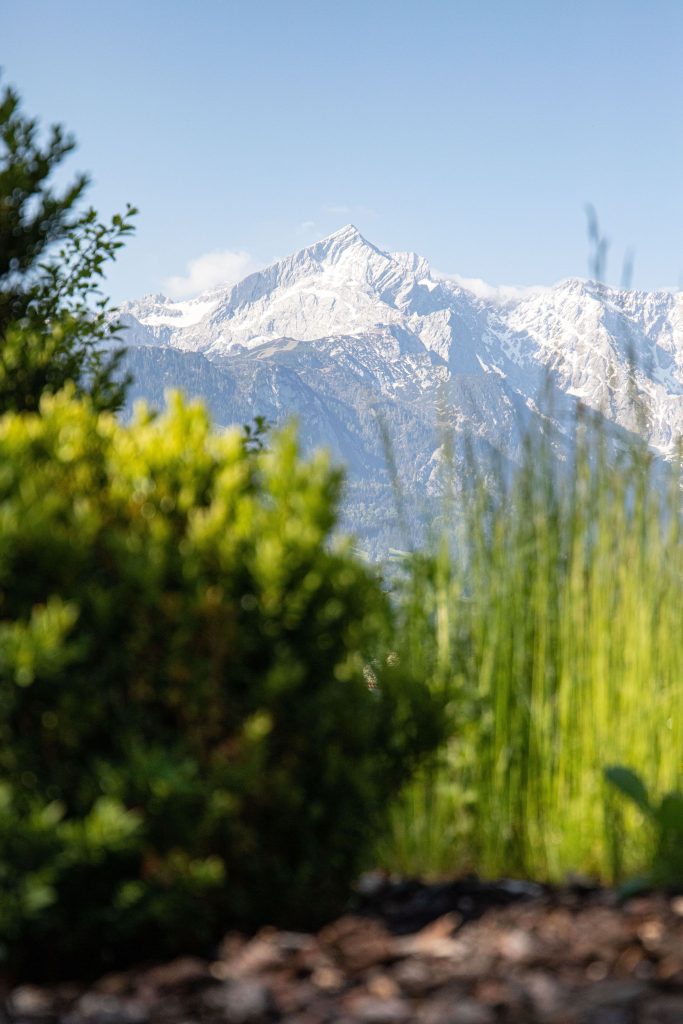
[{"x": 630, "y": 784}]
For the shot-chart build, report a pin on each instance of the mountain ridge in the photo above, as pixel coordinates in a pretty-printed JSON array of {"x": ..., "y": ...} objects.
[{"x": 342, "y": 335}]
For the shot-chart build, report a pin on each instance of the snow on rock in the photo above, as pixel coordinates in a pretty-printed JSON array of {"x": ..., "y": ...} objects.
[{"x": 357, "y": 343}]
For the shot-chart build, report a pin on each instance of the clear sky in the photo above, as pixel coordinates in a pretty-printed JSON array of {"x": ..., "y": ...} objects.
[{"x": 471, "y": 132}]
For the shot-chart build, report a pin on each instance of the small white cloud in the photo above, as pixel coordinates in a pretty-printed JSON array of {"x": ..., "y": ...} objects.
[
  {"x": 338, "y": 211},
  {"x": 213, "y": 269},
  {"x": 483, "y": 290},
  {"x": 306, "y": 227}
]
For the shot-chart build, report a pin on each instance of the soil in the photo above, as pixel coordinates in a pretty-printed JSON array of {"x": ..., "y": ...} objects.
[{"x": 462, "y": 952}]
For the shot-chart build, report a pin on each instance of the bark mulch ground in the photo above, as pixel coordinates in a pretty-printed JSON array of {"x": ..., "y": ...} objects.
[{"x": 457, "y": 953}]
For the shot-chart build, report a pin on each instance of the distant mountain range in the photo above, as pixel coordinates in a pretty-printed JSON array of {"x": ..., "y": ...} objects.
[{"x": 360, "y": 344}]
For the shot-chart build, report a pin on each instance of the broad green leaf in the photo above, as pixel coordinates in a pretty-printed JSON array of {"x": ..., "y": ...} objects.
[{"x": 631, "y": 785}]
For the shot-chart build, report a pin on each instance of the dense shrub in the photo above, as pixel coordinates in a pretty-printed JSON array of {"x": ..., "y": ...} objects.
[{"x": 200, "y": 725}]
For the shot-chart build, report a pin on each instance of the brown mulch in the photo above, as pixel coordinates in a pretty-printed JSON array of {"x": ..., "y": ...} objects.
[{"x": 501, "y": 954}]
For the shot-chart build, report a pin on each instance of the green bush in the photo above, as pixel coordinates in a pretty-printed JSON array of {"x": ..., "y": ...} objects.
[{"x": 201, "y": 722}]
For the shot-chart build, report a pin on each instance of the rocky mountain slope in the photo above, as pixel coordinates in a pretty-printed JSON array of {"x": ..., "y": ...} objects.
[{"x": 366, "y": 348}]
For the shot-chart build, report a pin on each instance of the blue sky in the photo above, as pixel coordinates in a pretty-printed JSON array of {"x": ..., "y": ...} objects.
[{"x": 473, "y": 133}]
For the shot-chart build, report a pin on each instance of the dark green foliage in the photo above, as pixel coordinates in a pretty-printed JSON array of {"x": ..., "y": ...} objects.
[
  {"x": 666, "y": 817},
  {"x": 201, "y": 720},
  {"x": 254, "y": 434},
  {"x": 54, "y": 321}
]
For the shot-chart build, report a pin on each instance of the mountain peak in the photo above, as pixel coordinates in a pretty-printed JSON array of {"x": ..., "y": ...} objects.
[
  {"x": 345, "y": 248},
  {"x": 341, "y": 241},
  {"x": 348, "y": 233},
  {"x": 380, "y": 326}
]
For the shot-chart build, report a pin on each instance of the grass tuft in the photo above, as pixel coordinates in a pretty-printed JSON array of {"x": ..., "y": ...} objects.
[{"x": 553, "y": 619}]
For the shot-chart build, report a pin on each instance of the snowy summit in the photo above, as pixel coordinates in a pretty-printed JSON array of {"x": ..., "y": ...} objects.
[{"x": 342, "y": 333}]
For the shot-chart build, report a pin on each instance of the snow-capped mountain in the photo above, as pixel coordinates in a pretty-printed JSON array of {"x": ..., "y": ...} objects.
[{"x": 361, "y": 344}]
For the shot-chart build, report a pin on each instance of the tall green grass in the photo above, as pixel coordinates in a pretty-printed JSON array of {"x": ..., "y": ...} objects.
[{"x": 554, "y": 621}]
